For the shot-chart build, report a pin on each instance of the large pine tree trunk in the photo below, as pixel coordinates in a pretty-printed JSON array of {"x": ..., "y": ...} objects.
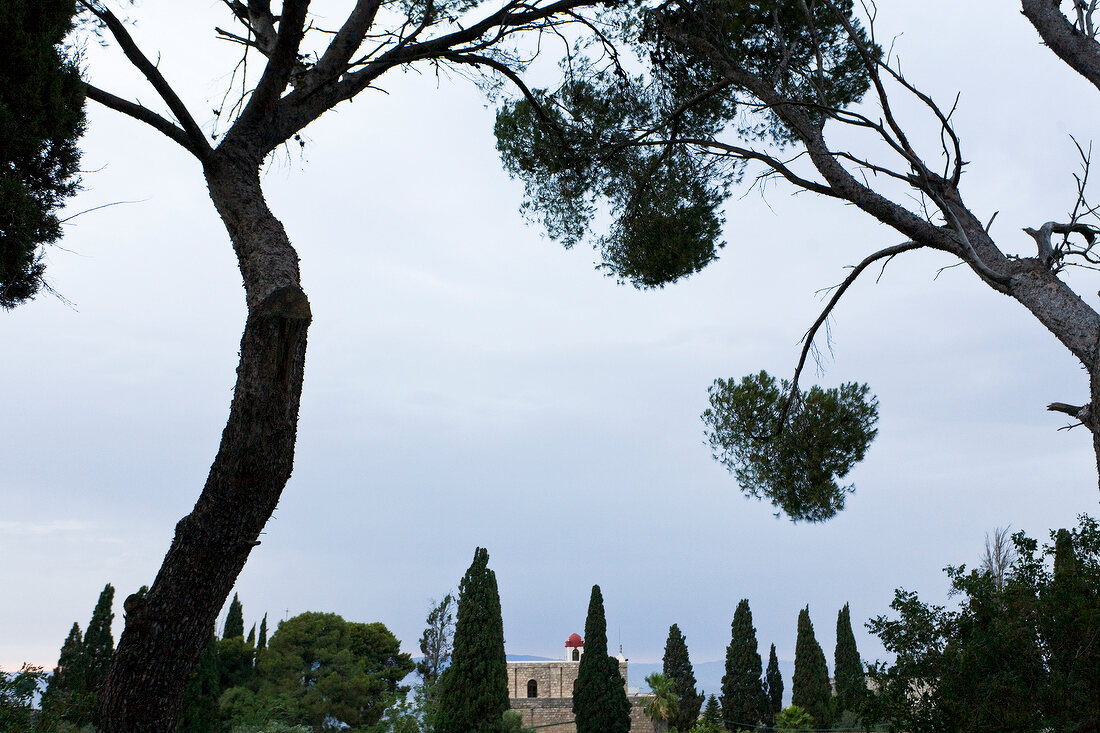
[{"x": 167, "y": 628}]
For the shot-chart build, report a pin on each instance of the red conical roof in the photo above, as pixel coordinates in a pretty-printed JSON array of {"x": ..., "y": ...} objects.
[{"x": 574, "y": 641}]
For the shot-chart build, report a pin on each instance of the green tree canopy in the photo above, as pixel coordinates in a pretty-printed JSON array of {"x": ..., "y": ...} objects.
[
  {"x": 67, "y": 681},
  {"x": 473, "y": 690},
  {"x": 599, "y": 698},
  {"x": 810, "y": 683},
  {"x": 1017, "y": 655},
  {"x": 676, "y": 665},
  {"x": 41, "y": 118},
  {"x": 234, "y": 620},
  {"x": 742, "y": 688},
  {"x": 334, "y": 672}
]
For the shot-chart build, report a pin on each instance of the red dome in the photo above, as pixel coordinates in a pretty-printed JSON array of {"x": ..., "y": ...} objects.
[{"x": 574, "y": 641}]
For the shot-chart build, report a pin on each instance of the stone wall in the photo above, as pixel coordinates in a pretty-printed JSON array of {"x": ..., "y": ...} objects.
[{"x": 552, "y": 679}]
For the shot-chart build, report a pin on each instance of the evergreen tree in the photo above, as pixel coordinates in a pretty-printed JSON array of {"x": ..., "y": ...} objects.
[
  {"x": 234, "y": 620},
  {"x": 712, "y": 716},
  {"x": 599, "y": 700},
  {"x": 66, "y": 682},
  {"x": 773, "y": 683},
  {"x": 851, "y": 687},
  {"x": 41, "y": 117},
  {"x": 742, "y": 689},
  {"x": 810, "y": 684},
  {"x": 473, "y": 691},
  {"x": 251, "y": 639},
  {"x": 677, "y": 667},
  {"x": 97, "y": 649},
  {"x": 261, "y": 642}
]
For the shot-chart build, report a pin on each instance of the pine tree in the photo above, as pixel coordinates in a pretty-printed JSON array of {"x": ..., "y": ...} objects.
[
  {"x": 773, "y": 686},
  {"x": 712, "y": 716},
  {"x": 66, "y": 682},
  {"x": 234, "y": 620},
  {"x": 599, "y": 700},
  {"x": 41, "y": 117},
  {"x": 851, "y": 687},
  {"x": 677, "y": 667},
  {"x": 742, "y": 689},
  {"x": 810, "y": 684},
  {"x": 473, "y": 691}
]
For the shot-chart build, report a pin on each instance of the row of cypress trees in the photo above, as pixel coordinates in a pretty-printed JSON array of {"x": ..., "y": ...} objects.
[
  {"x": 72, "y": 694},
  {"x": 472, "y": 693},
  {"x": 752, "y": 697}
]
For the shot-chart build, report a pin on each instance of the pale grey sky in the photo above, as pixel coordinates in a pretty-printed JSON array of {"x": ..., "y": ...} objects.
[{"x": 470, "y": 383}]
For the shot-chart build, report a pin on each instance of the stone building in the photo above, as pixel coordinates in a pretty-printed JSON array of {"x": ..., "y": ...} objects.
[{"x": 542, "y": 691}]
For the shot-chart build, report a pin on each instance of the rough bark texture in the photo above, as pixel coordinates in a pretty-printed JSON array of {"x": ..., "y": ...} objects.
[
  {"x": 167, "y": 628},
  {"x": 1059, "y": 34}
]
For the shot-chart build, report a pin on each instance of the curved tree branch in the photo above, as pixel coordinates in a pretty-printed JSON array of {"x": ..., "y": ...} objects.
[
  {"x": 146, "y": 115},
  {"x": 1078, "y": 50},
  {"x": 199, "y": 146}
]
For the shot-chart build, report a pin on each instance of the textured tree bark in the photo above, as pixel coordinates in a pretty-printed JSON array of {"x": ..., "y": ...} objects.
[{"x": 167, "y": 628}]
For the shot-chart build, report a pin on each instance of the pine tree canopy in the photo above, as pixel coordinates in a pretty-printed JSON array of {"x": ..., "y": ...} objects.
[
  {"x": 742, "y": 688},
  {"x": 41, "y": 118},
  {"x": 599, "y": 699},
  {"x": 677, "y": 667},
  {"x": 810, "y": 685},
  {"x": 473, "y": 691},
  {"x": 851, "y": 685}
]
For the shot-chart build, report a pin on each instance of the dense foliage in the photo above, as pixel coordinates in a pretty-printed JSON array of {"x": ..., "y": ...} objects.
[
  {"x": 743, "y": 702},
  {"x": 676, "y": 666},
  {"x": 599, "y": 698},
  {"x": 1024, "y": 656},
  {"x": 791, "y": 452},
  {"x": 41, "y": 118},
  {"x": 810, "y": 683},
  {"x": 473, "y": 690}
]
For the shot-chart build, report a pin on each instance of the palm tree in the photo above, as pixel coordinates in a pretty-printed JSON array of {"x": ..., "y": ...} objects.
[{"x": 665, "y": 704}]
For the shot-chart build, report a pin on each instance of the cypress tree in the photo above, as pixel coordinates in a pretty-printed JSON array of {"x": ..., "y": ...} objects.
[
  {"x": 66, "y": 682},
  {"x": 251, "y": 640},
  {"x": 234, "y": 620},
  {"x": 261, "y": 642},
  {"x": 810, "y": 685},
  {"x": 99, "y": 643},
  {"x": 851, "y": 687},
  {"x": 677, "y": 667},
  {"x": 41, "y": 117},
  {"x": 473, "y": 691},
  {"x": 599, "y": 701},
  {"x": 742, "y": 689},
  {"x": 773, "y": 681}
]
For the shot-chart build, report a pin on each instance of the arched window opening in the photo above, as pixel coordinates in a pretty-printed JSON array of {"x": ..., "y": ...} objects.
[
  {"x": 532, "y": 688},
  {"x": 576, "y": 655}
]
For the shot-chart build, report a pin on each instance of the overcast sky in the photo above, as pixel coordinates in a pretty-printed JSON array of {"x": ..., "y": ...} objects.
[{"x": 469, "y": 382}]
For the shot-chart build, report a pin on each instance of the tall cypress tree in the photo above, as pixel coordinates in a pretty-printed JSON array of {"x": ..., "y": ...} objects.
[
  {"x": 810, "y": 685},
  {"x": 677, "y": 667},
  {"x": 742, "y": 689},
  {"x": 234, "y": 620},
  {"x": 66, "y": 682},
  {"x": 41, "y": 117},
  {"x": 599, "y": 700},
  {"x": 261, "y": 642},
  {"x": 473, "y": 691},
  {"x": 773, "y": 683},
  {"x": 851, "y": 687}
]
